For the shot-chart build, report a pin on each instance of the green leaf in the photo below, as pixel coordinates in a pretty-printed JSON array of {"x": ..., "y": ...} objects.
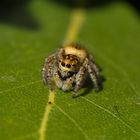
[{"x": 112, "y": 35}]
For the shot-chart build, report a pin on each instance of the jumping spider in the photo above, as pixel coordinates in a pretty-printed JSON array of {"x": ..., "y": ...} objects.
[{"x": 69, "y": 67}]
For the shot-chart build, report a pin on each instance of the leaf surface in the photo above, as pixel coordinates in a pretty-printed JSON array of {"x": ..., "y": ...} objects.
[{"x": 112, "y": 35}]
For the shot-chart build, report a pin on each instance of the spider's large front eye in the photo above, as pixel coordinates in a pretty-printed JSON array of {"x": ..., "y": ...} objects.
[
  {"x": 63, "y": 64},
  {"x": 68, "y": 65}
]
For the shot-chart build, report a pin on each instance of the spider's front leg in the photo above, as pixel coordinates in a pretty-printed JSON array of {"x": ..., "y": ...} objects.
[
  {"x": 48, "y": 70},
  {"x": 94, "y": 74},
  {"x": 81, "y": 75}
]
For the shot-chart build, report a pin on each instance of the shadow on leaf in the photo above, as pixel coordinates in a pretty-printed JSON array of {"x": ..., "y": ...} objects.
[{"x": 89, "y": 87}]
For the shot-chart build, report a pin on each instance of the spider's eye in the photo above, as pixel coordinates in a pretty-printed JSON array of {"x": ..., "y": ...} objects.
[
  {"x": 68, "y": 65},
  {"x": 73, "y": 65},
  {"x": 63, "y": 64}
]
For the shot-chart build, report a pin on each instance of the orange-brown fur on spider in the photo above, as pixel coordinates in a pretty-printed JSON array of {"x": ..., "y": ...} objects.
[{"x": 69, "y": 67}]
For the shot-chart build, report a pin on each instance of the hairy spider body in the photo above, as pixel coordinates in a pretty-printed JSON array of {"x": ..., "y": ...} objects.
[{"x": 69, "y": 67}]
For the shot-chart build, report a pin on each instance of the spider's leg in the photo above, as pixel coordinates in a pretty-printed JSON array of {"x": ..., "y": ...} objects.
[
  {"x": 68, "y": 83},
  {"x": 81, "y": 75},
  {"x": 47, "y": 70},
  {"x": 94, "y": 65},
  {"x": 94, "y": 75}
]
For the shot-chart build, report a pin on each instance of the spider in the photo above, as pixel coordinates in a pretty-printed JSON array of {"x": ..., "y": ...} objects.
[{"x": 69, "y": 67}]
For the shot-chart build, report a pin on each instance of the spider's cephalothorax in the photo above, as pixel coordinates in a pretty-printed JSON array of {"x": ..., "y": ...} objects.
[{"x": 69, "y": 67}]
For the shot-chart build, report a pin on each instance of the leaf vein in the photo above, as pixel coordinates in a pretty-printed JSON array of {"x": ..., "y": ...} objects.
[
  {"x": 109, "y": 112},
  {"x": 18, "y": 87},
  {"x": 25, "y": 136},
  {"x": 73, "y": 121},
  {"x": 121, "y": 70}
]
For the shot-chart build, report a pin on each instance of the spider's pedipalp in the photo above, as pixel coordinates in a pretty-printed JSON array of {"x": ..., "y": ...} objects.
[
  {"x": 57, "y": 78},
  {"x": 67, "y": 84}
]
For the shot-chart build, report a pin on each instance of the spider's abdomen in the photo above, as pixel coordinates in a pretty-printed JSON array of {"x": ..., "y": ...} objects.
[{"x": 76, "y": 50}]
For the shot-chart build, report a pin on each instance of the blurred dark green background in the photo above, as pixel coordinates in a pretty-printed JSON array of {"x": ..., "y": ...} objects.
[{"x": 16, "y": 12}]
